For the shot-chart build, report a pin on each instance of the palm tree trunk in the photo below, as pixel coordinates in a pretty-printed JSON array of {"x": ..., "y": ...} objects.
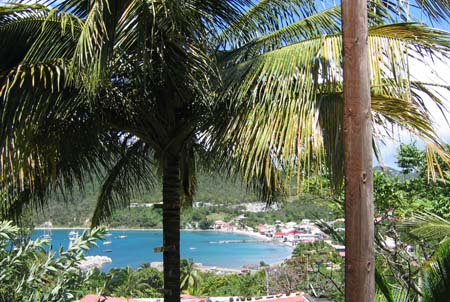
[
  {"x": 171, "y": 228},
  {"x": 359, "y": 228}
]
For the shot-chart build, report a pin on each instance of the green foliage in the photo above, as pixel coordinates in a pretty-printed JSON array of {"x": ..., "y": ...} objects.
[
  {"x": 437, "y": 276},
  {"x": 412, "y": 210},
  {"x": 29, "y": 273},
  {"x": 317, "y": 251},
  {"x": 387, "y": 193},
  {"x": 43, "y": 140},
  {"x": 190, "y": 277},
  {"x": 143, "y": 282},
  {"x": 428, "y": 227},
  {"x": 128, "y": 283},
  {"x": 233, "y": 71},
  {"x": 76, "y": 209},
  {"x": 416, "y": 192},
  {"x": 245, "y": 285},
  {"x": 410, "y": 159},
  {"x": 383, "y": 290},
  {"x": 313, "y": 265},
  {"x": 397, "y": 295},
  {"x": 223, "y": 196}
]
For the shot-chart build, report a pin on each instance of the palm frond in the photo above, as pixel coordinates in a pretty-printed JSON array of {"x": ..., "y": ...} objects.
[
  {"x": 43, "y": 33},
  {"x": 188, "y": 175},
  {"x": 132, "y": 172},
  {"x": 398, "y": 295},
  {"x": 262, "y": 18},
  {"x": 326, "y": 22},
  {"x": 47, "y": 147},
  {"x": 19, "y": 26},
  {"x": 79, "y": 8},
  {"x": 384, "y": 292},
  {"x": 30, "y": 176},
  {"x": 291, "y": 88},
  {"x": 428, "y": 226},
  {"x": 437, "y": 275},
  {"x": 438, "y": 10},
  {"x": 88, "y": 55},
  {"x": 57, "y": 38}
]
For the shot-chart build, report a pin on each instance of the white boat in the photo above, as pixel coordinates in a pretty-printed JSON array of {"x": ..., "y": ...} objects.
[
  {"x": 107, "y": 243},
  {"x": 73, "y": 235},
  {"x": 47, "y": 231},
  {"x": 46, "y": 237},
  {"x": 122, "y": 236},
  {"x": 108, "y": 234}
]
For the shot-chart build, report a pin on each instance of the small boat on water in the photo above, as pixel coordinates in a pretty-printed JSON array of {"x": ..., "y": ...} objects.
[
  {"x": 107, "y": 243},
  {"x": 122, "y": 236},
  {"x": 107, "y": 251},
  {"x": 47, "y": 227},
  {"x": 46, "y": 237},
  {"x": 73, "y": 235},
  {"x": 108, "y": 234}
]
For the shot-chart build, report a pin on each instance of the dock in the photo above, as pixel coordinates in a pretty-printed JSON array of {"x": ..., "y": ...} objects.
[{"x": 241, "y": 241}]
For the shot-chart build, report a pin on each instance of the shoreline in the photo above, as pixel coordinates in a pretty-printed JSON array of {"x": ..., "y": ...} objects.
[
  {"x": 254, "y": 235},
  {"x": 238, "y": 232}
]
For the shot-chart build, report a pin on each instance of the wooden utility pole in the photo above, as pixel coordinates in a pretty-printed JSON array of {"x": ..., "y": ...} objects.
[{"x": 359, "y": 229}]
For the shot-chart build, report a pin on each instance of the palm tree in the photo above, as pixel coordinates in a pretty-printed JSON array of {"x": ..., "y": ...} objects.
[
  {"x": 124, "y": 89},
  {"x": 189, "y": 275}
]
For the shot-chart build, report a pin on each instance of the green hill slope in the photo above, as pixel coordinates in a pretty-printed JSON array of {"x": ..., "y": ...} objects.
[{"x": 76, "y": 210}]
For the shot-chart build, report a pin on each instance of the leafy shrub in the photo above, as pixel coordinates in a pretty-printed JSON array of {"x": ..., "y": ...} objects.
[{"x": 33, "y": 272}]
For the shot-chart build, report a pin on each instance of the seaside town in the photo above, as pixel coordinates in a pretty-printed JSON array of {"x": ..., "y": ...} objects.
[{"x": 288, "y": 233}]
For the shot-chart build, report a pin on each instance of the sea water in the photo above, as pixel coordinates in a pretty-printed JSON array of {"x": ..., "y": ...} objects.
[{"x": 209, "y": 248}]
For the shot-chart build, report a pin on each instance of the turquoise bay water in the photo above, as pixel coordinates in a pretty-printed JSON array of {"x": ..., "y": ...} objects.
[{"x": 202, "y": 247}]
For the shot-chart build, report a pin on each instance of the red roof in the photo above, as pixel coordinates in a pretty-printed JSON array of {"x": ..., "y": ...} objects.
[
  {"x": 97, "y": 298},
  {"x": 188, "y": 298},
  {"x": 286, "y": 299},
  {"x": 291, "y": 232},
  {"x": 297, "y": 297}
]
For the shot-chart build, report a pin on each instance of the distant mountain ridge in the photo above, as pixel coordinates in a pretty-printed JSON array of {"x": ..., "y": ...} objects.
[{"x": 391, "y": 172}]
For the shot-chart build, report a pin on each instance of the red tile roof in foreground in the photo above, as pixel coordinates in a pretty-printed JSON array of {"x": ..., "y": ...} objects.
[
  {"x": 187, "y": 298},
  {"x": 97, "y": 298},
  {"x": 299, "y": 298}
]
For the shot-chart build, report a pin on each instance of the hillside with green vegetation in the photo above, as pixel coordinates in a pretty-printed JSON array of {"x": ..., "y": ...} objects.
[
  {"x": 224, "y": 199},
  {"x": 75, "y": 209}
]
